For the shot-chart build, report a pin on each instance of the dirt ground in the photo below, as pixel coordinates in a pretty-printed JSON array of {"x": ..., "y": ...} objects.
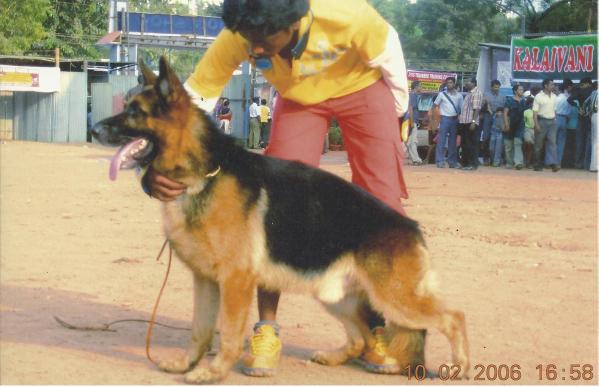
[{"x": 515, "y": 250}]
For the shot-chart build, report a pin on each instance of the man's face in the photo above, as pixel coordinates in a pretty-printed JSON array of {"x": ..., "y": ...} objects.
[
  {"x": 549, "y": 87},
  {"x": 418, "y": 89},
  {"x": 450, "y": 85},
  {"x": 520, "y": 91},
  {"x": 271, "y": 45},
  {"x": 495, "y": 89},
  {"x": 470, "y": 85}
]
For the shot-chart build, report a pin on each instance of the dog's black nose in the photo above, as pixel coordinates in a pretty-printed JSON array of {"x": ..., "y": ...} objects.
[{"x": 97, "y": 129}]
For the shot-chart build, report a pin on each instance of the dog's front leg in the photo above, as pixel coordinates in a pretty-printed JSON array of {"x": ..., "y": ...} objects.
[
  {"x": 205, "y": 310},
  {"x": 236, "y": 294}
]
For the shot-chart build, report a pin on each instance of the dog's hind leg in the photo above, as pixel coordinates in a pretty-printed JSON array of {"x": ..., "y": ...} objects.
[
  {"x": 236, "y": 292},
  {"x": 346, "y": 311},
  {"x": 403, "y": 291},
  {"x": 205, "y": 310}
]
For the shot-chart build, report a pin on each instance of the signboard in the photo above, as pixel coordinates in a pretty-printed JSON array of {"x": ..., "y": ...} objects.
[
  {"x": 429, "y": 80},
  {"x": 554, "y": 57},
  {"x": 26, "y": 78}
]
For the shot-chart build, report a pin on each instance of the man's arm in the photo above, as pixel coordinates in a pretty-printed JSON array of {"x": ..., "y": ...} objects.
[
  {"x": 378, "y": 45},
  {"x": 535, "y": 116},
  {"x": 215, "y": 69},
  {"x": 477, "y": 101}
]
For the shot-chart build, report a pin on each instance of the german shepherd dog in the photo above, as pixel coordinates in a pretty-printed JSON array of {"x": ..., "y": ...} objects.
[{"x": 248, "y": 220}]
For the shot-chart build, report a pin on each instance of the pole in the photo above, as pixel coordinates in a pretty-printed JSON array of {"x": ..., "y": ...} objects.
[{"x": 57, "y": 56}]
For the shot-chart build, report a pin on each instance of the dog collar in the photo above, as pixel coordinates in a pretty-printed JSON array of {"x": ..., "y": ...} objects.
[
  {"x": 213, "y": 173},
  {"x": 196, "y": 189}
]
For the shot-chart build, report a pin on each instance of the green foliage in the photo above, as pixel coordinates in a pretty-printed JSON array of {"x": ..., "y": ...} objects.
[
  {"x": 182, "y": 61},
  {"x": 444, "y": 34},
  {"x": 74, "y": 27},
  {"x": 157, "y": 6},
  {"x": 580, "y": 15},
  {"x": 335, "y": 137},
  {"x": 21, "y": 24}
]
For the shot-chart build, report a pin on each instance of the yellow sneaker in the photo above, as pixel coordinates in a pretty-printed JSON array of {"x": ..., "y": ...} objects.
[
  {"x": 377, "y": 359},
  {"x": 262, "y": 359}
]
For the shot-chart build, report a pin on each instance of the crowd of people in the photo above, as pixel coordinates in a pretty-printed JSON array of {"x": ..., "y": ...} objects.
[
  {"x": 259, "y": 120},
  {"x": 527, "y": 129}
]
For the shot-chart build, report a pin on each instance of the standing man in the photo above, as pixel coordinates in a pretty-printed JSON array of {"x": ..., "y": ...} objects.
[
  {"x": 543, "y": 109},
  {"x": 254, "y": 135},
  {"x": 414, "y": 116},
  {"x": 469, "y": 125},
  {"x": 491, "y": 101},
  {"x": 326, "y": 58},
  {"x": 583, "y": 132},
  {"x": 589, "y": 109},
  {"x": 449, "y": 104},
  {"x": 264, "y": 123},
  {"x": 562, "y": 111}
]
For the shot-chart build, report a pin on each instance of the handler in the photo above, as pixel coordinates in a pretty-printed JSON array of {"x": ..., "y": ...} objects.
[{"x": 326, "y": 58}]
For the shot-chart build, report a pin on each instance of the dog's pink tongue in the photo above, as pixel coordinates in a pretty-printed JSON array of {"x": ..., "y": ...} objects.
[{"x": 123, "y": 155}]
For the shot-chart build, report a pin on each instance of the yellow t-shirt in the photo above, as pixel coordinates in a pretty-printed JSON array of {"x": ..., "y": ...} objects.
[
  {"x": 346, "y": 36},
  {"x": 264, "y": 113}
]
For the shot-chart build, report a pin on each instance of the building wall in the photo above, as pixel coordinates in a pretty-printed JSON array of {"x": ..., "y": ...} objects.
[
  {"x": 49, "y": 117},
  {"x": 108, "y": 96},
  {"x": 6, "y": 114}
]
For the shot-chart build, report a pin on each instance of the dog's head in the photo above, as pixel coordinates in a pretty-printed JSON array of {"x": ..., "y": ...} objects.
[{"x": 158, "y": 126}]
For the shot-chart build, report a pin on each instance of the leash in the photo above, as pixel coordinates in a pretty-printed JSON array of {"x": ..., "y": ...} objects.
[{"x": 153, "y": 318}]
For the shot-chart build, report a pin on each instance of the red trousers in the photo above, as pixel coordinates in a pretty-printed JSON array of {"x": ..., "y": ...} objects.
[{"x": 370, "y": 131}]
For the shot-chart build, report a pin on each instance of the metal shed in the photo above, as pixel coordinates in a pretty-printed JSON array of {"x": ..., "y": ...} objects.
[{"x": 58, "y": 116}]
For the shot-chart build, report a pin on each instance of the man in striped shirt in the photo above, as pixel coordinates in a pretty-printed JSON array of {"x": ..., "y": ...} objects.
[{"x": 469, "y": 125}]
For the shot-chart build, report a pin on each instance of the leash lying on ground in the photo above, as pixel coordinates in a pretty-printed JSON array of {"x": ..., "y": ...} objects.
[
  {"x": 153, "y": 318},
  {"x": 151, "y": 321}
]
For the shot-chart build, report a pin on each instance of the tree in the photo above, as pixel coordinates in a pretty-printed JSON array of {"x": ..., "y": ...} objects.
[
  {"x": 444, "y": 34},
  {"x": 21, "y": 24},
  {"x": 555, "y": 15},
  {"x": 74, "y": 27}
]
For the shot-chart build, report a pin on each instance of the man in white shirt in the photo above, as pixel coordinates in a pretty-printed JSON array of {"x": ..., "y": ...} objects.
[
  {"x": 254, "y": 135},
  {"x": 543, "y": 110},
  {"x": 449, "y": 104}
]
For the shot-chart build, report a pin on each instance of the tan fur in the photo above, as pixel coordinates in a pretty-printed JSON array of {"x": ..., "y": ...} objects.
[{"x": 224, "y": 244}]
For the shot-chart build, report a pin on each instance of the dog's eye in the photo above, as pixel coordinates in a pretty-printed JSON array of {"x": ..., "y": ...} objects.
[{"x": 134, "y": 111}]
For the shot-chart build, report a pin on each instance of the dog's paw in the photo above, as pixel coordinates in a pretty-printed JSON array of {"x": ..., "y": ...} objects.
[
  {"x": 329, "y": 358},
  {"x": 175, "y": 366},
  {"x": 458, "y": 372},
  {"x": 202, "y": 375}
]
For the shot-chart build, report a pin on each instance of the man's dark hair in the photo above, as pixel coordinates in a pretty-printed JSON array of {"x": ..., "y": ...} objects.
[
  {"x": 495, "y": 82},
  {"x": 473, "y": 81},
  {"x": 587, "y": 80},
  {"x": 415, "y": 84},
  {"x": 546, "y": 82},
  {"x": 515, "y": 87},
  {"x": 263, "y": 17},
  {"x": 263, "y": 102},
  {"x": 226, "y": 103},
  {"x": 450, "y": 79},
  {"x": 256, "y": 99},
  {"x": 567, "y": 83}
]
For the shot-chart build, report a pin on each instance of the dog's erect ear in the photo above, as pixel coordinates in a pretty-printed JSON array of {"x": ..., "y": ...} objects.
[
  {"x": 149, "y": 76},
  {"x": 169, "y": 86}
]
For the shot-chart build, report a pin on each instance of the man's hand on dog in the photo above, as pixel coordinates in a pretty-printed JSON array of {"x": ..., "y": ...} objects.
[{"x": 161, "y": 187}]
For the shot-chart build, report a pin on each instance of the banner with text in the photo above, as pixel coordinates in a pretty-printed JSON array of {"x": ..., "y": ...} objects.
[
  {"x": 554, "y": 57},
  {"x": 429, "y": 80},
  {"x": 27, "y": 78}
]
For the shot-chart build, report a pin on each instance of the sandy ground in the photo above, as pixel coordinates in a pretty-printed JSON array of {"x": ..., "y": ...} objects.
[{"x": 516, "y": 250}]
